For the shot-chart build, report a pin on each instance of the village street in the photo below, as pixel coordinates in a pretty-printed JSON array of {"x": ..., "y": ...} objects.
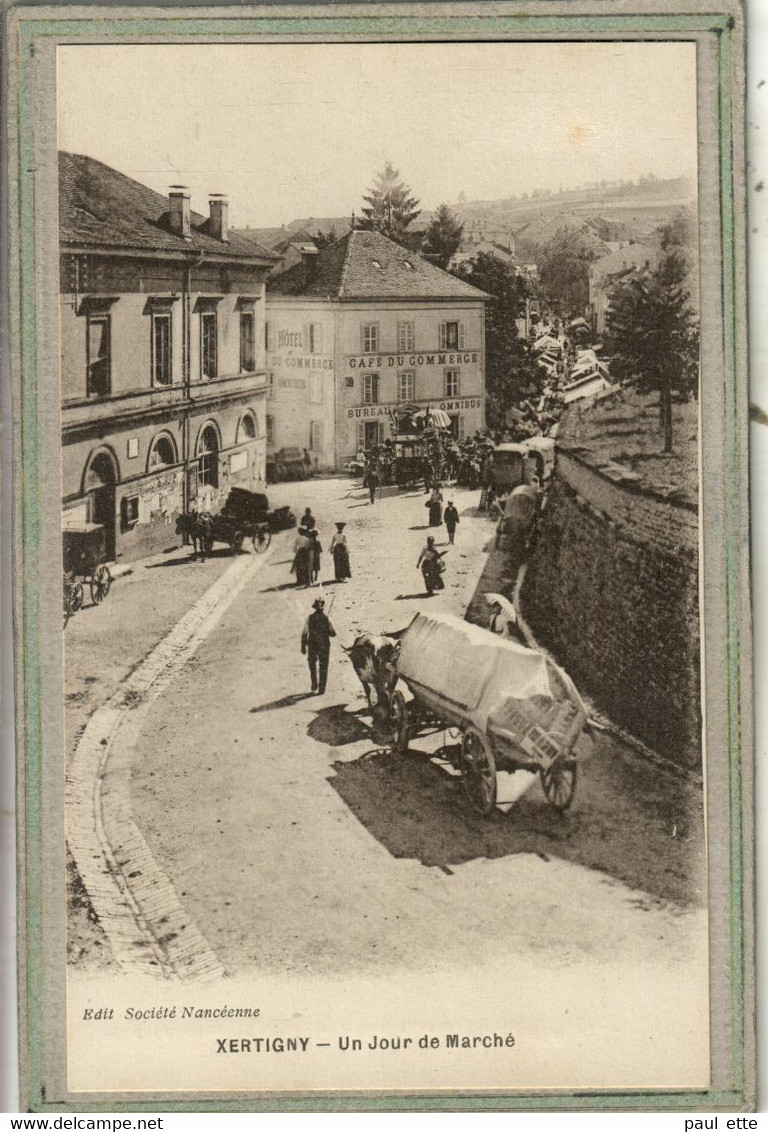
[{"x": 297, "y": 842}]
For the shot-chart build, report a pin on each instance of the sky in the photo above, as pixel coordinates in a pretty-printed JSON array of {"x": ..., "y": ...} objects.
[{"x": 298, "y": 130}]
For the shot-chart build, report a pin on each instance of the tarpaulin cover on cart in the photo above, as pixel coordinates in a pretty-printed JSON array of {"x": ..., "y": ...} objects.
[{"x": 495, "y": 684}]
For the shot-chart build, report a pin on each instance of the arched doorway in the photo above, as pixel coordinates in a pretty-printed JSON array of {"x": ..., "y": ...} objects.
[
  {"x": 99, "y": 486},
  {"x": 208, "y": 457}
]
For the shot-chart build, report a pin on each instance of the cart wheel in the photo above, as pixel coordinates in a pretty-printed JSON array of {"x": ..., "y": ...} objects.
[
  {"x": 398, "y": 723},
  {"x": 207, "y": 543},
  {"x": 261, "y": 540},
  {"x": 478, "y": 772},
  {"x": 100, "y": 583},
  {"x": 73, "y": 600},
  {"x": 559, "y": 783},
  {"x": 236, "y": 542}
]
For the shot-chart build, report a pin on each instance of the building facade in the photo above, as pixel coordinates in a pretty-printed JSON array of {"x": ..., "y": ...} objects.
[
  {"x": 361, "y": 329},
  {"x": 163, "y": 375}
]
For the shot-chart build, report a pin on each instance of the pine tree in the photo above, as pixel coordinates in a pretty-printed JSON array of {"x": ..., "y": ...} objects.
[
  {"x": 389, "y": 208},
  {"x": 443, "y": 237},
  {"x": 653, "y": 333}
]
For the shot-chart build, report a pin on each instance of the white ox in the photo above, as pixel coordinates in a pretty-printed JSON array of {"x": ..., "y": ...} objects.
[{"x": 375, "y": 662}]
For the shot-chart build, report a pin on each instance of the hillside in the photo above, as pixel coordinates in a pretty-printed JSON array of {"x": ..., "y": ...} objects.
[{"x": 644, "y": 205}]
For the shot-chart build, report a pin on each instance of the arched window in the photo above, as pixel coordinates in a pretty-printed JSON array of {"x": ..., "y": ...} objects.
[
  {"x": 163, "y": 453},
  {"x": 247, "y": 430},
  {"x": 208, "y": 462}
]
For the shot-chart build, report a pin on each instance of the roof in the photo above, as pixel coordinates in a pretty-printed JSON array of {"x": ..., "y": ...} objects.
[
  {"x": 367, "y": 265},
  {"x": 267, "y": 237},
  {"x": 100, "y": 206}
]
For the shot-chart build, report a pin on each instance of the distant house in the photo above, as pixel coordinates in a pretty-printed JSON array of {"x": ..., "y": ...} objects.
[
  {"x": 360, "y": 328},
  {"x": 531, "y": 236},
  {"x": 487, "y": 247},
  {"x": 162, "y": 371},
  {"x": 606, "y": 272}
]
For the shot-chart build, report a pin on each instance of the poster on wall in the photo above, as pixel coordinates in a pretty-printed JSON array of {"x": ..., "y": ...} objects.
[{"x": 421, "y": 780}]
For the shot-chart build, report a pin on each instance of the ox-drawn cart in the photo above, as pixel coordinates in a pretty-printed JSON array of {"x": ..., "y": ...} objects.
[{"x": 514, "y": 709}]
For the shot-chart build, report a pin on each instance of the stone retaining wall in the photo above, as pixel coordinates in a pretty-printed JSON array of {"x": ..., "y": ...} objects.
[{"x": 612, "y": 591}]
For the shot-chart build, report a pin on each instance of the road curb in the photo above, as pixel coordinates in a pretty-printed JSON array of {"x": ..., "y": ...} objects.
[{"x": 147, "y": 927}]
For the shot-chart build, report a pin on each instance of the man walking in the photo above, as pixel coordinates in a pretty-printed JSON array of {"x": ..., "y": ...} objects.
[
  {"x": 451, "y": 518},
  {"x": 372, "y": 482},
  {"x": 316, "y": 645}
]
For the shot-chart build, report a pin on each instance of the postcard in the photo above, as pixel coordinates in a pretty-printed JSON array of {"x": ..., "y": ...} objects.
[{"x": 382, "y": 558}]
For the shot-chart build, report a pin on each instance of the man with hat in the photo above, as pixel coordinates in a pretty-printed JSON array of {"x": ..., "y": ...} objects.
[{"x": 316, "y": 644}]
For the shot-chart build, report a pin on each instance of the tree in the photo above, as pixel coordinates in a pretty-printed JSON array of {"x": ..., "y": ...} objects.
[
  {"x": 510, "y": 374},
  {"x": 653, "y": 333},
  {"x": 443, "y": 237},
  {"x": 564, "y": 269},
  {"x": 389, "y": 208}
]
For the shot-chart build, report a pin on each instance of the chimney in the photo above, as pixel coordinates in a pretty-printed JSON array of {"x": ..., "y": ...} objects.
[
  {"x": 178, "y": 205},
  {"x": 219, "y": 225},
  {"x": 308, "y": 262}
]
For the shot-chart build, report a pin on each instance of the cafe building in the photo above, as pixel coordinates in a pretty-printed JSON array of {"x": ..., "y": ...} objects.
[
  {"x": 162, "y": 367},
  {"x": 360, "y": 329}
]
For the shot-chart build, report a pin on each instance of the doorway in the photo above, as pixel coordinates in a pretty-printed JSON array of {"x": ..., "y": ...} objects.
[{"x": 100, "y": 480}]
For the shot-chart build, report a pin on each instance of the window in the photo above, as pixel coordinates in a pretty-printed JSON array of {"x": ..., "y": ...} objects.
[
  {"x": 458, "y": 427},
  {"x": 208, "y": 350},
  {"x": 270, "y": 431},
  {"x": 271, "y": 386},
  {"x": 404, "y": 337},
  {"x": 247, "y": 428},
  {"x": 451, "y": 335},
  {"x": 370, "y": 389},
  {"x": 368, "y": 434},
  {"x": 451, "y": 383},
  {"x": 268, "y": 344},
  {"x": 315, "y": 388},
  {"x": 405, "y": 386},
  {"x": 315, "y": 435},
  {"x": 161, "y": 349},
  {"x": 370, "y": 338},
  {"x": 162, "y": 454},
  {"x": 98, "y": 361},
  {"x": 315, "y": 338},
  {"x": 208, "y": 462},
  {"x": 130, "y": 511},
  {"x": 247, "y": 342}
]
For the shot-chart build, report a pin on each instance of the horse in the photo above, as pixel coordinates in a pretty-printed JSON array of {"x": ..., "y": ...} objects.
[{"x": 197, "y": 527}]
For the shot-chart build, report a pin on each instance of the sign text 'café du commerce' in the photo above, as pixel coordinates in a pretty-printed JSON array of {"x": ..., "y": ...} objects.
[{"x": 382, "y": 361}]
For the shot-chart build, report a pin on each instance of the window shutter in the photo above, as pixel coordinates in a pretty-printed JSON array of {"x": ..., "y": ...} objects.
[
  {"x": 461, "y": 335},
  {"x": 443, "y": 336},
  {"x": 375, "y": 388},
  {"x": 360, "y": 435}
]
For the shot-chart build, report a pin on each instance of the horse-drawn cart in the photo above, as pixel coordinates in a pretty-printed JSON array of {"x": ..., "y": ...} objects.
[
  {"x": 245, "y": 515},
  {"x": 514, "y": 709},
  {"x": 84, "y": 553}
]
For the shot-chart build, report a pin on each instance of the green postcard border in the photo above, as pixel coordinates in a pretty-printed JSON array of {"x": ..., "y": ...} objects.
[{"x": 100, "y": 25}]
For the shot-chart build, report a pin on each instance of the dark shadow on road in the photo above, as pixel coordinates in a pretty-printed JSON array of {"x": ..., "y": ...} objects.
[
  {"x": 335, "y": 726},
  {"x": 285, "y": 586},
  {"x": 175, "y": 562},
  {"x": 284, "y": 701},
  {"x": 630, "y": 820},
  {"x": 412, "y": 597},
  {"x": 365, "y": 503},
  {"x": 423, "y": 527}
]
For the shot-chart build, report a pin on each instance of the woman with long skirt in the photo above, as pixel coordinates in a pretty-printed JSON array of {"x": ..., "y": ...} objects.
[{"x": 340, "y": 554}]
